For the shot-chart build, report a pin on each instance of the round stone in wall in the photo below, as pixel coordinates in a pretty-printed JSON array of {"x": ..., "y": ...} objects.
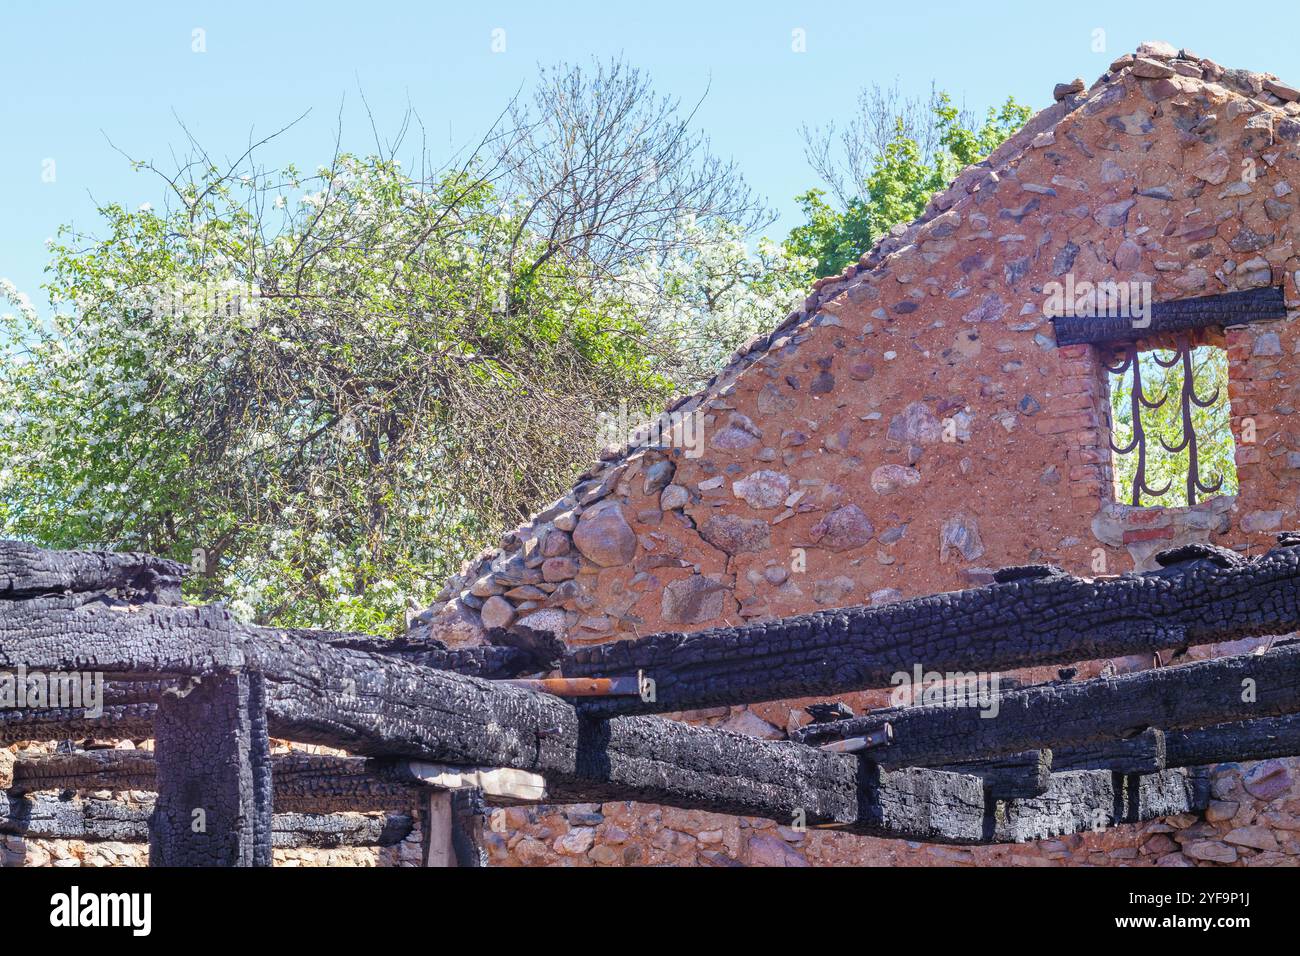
[{"x": 604, "y": 537}]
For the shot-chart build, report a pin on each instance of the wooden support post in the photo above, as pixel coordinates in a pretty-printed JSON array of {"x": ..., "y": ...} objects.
[
  {"x": 214, "y": 775},
  {"x": 435, "y": 827},
  {"x": 451, "y": 825}
]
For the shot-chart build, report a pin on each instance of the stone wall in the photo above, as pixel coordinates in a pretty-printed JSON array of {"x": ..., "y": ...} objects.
[{"x": 916, "y": 426}]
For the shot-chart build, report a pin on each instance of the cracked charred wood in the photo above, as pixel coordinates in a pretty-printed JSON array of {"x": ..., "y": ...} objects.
[
  {"x": 127, "y": 708},
  {"x": 1177, "y": 315},
  {"x": 1260, "y": 739},
  {"x": 340, "y": 829},
  {"x": 508, "y": 654},
  {"x": 931, "y": 805},
  {"x": 1028, "y": 617},
  {"x": 1171, "y": 792},
  {"x": 301, "y": 783},
  {"x": 1058, "y": 715},
  {"x": 468, "y": 809},
  {"x": 213, "y": 775},
  {"x": 372, "y": 704},
  {"x": 84, "y": 770},
  {"x": 26, "y": 571},
  {"x": 1144, "y": 753},
  {"x": 1022, "y": 774},
  {"x": 50, "y": 816},
  {"x": 322, "y": 783},
  {"x": 1081, "y": 800}
]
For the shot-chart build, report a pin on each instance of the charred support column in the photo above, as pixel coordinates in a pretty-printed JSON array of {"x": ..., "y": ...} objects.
[{"x": 214, "y": 775}]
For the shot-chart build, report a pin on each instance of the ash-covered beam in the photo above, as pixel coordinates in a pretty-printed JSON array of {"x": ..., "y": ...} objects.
[
  {"x": 1029, "y": 616},
  {"x": 1078, "y": 801},
  {"x": 213, "y": 774},
  {"x": 50, "y": 816},
  {"x": 1058, "y": 715},
  {"x": 1143, "y": 753},
  {"x": 26, "y": 570},
  {"x": 1179, "y": 315},
  {"x": 1017, "y": 775}
]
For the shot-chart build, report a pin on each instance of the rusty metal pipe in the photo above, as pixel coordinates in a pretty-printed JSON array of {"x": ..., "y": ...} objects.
[{"x": 579, "y": 686}]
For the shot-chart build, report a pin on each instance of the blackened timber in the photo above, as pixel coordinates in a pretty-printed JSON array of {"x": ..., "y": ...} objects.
[
  {"x": 84, "y": 770},
  {"x": 302, "y": 783},
  {"x": 51, "y": 816},
  {"x": 1078, "y": 801},
  {"x": 373, "y": 704},
  {"x": 1028, "y": 617},
  {"x": 213, "y": 774},
  {"x": 26, "y": 570},
  {"x": 1260, "y": 739},
  {"x": 1178, "y": 315},
  {"x": 125, "y": 706},
  {"x": 1022, "y": 774},
  {"x": 1190, "y": 695},
  {"x": 1144, "y": 753},
  {"x": 507, "y": 655}
]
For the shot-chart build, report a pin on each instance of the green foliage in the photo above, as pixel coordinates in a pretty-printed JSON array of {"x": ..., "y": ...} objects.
[
  {"x": 329, "y": 390},
  {"x": 903, "y": 177},
  {"x": 1215, "y": 445}
]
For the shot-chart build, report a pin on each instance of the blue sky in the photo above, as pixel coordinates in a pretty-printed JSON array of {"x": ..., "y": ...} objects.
[{"x": 78, "y": 74}]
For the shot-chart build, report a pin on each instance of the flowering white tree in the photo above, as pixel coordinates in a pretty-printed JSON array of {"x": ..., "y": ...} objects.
[
  {"x": 710, "y": 295},
  {"x": 325, "y": 390}
]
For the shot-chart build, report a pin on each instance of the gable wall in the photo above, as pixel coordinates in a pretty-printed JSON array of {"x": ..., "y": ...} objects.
[{"x": 826, "y": 479}]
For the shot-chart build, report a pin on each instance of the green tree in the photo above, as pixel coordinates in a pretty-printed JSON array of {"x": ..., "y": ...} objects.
[
  {"x": 326, "y": 390},
  {"x": 888, "y": 181}
]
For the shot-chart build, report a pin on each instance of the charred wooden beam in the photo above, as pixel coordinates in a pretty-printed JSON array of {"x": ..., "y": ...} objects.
[
  {"x": 372, "y": 704},
  {"x": 1144, "y": 753},
  {"x": 26, "y": 570},
  {"x": 1070, "y": 714},
  {"x": 1261, "y": 739},
  {"x": 127, "y": 706},
  {"x": 507, "y": 655},
  {"x": 1179, "y": 315},
  {"x": 84, "y": 770},
  {"x": 50, "y": 816},
  {"x": 1078, "y": 801},
  {"x": 1029, "y": 616},
  {"x": 213, "y": 775},
  {"x": 301, "y": 783},
  {"x": 1017, "y": 775}
]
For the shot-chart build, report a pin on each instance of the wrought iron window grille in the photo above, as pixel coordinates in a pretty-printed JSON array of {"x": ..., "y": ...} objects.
[{"x": 1188, "y": 400}]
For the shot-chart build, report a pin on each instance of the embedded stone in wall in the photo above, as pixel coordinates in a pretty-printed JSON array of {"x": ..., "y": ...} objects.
[
  {"x": 762, "y": 489},
  {"x": 991, "y": 308},
  {"x": 673, "y": 497},
  {"x": 888, "y": 479},
  {"x": 604, "y": 537},
  {"x": 692, "y": 600},
  {"x": 915, "y": 425},
  {"x": 740, "y": 433},
  {"x": 960, "y": 533},
  {"x": 551, "y": 620},
  {"x": 736, "y": 535},
  {"x": 843, "y": 529},
  {"x": 834, "y": 592},
  {"x": 497, "y": 612}
]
